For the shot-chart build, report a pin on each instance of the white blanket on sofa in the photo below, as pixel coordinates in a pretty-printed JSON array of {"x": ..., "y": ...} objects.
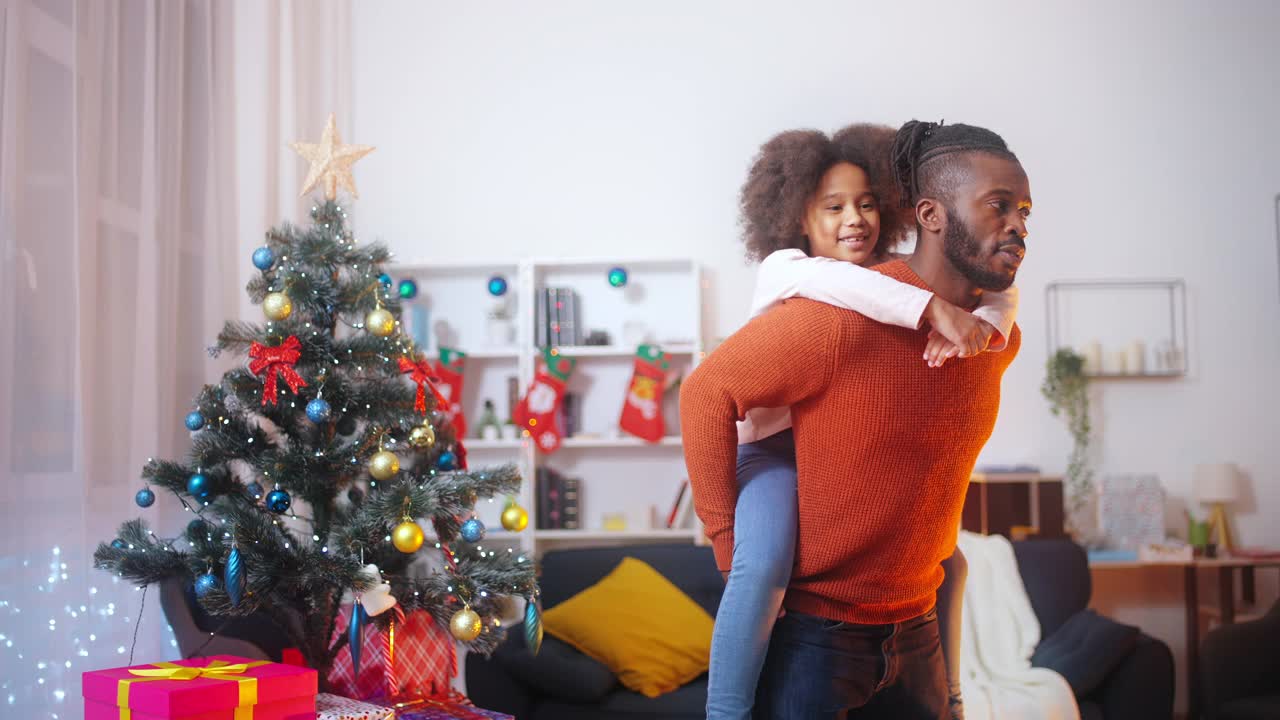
[{"x": 1000, "y": 633}]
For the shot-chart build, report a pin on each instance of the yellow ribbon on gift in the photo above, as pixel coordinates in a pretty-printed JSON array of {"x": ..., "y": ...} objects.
[{"x": 216, "y": 670}]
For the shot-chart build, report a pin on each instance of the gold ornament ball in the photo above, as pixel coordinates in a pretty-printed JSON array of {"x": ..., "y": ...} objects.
[
  {"x": 423, "y": 436},
  {"x": 380, "y": 322},
  {"x": 407, "y": 537},
  {"x": 384, "y": 465},
  {"x": 465, "y": 625},
  {"x": 277, "y": 306},
  {"x": 514, "y": 518}
]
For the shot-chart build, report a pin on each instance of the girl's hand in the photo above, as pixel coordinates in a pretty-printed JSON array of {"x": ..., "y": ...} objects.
[
  {"x": 967, "y": 333},
  {"x": 939, "y": 349}
]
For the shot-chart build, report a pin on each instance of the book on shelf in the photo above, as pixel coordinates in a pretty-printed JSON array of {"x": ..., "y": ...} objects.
[
  {"x": 541, "y": 326},
  {"x": 556, "y": 317},
  {"x": 674, "y": 514},
  {"x": 559, "y": 500},
  {"x": 571, "y": 495}
]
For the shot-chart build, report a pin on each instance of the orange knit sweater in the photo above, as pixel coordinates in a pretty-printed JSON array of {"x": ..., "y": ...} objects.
[{"x": 884, "y": 447}]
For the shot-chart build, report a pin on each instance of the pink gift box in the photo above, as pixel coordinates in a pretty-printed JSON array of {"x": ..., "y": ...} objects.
[{"x": 283, "y": 692}]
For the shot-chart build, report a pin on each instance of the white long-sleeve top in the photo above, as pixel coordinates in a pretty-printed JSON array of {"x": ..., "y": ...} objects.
[{"x": 791, "y": 273}]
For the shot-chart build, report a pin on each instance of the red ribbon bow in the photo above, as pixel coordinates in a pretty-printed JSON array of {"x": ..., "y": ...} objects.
[
  {"x": 270, "y": 361},
  {"x": 424, "y": 375}
]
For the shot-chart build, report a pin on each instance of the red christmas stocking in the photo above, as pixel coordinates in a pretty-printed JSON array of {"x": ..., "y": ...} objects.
[
  {"x": 449, "y": 370},
  {"x": 642, "y": 409},
  {"x": 536, "y": 413}
]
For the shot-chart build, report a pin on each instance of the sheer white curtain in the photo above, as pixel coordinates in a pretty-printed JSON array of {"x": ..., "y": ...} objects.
[{"x": 118, "y": 230}]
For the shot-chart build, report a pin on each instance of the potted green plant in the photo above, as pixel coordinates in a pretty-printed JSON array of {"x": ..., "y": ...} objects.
[{"x": 1066, "y": 387}]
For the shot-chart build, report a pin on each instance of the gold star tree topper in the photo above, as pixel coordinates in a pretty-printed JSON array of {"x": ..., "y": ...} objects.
[{"x": 331, "y": 162}]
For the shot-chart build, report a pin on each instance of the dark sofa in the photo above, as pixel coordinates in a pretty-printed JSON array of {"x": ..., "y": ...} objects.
[{"x": 562, "y": 684}]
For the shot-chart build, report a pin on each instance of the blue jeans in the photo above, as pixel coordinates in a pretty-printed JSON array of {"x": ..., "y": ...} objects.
[
  {"x": 819, "y": 668},
  {"x": 764, "y": 543}
]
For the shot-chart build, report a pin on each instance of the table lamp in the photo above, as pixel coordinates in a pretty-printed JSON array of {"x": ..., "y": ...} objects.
[{"x": 1218, "y": 484}]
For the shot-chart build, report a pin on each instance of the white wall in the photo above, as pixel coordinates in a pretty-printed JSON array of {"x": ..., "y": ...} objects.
[{"x": 1148, "y": 131}]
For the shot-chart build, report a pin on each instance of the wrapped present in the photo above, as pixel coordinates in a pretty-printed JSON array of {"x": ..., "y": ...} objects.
[
  {"x": 333, "y": 707},
  {"x": 414, "y": 656},
  {"x": 222, "y": 686}
]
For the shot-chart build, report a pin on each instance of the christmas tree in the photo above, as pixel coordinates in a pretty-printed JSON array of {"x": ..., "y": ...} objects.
[{"x": 321, "y": 456}]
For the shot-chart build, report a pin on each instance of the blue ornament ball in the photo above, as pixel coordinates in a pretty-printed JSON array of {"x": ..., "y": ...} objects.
[
  {"x": 447, "y": 460},
  {"x": 385, "y": 279},
  {"x": 206, "y": 583},
  {"x": 145, "y": 497},
  {"x": 408, "y": 289},
  {"x": 278, "y": 501},
  {"x": 473, "y": 530},
  {"x": 618, "y": 277},
  {"x": 198, "y": 486},
  {"x": 255, "y": 489},
  {"x": 497, "y": 286},
  {"x": 197, "y": 527},
  {"x": 118, "y": 544},
  {"x": 263, "y": 258},
  {"x": 318, "y": 410},
  {"x": 194, "y": 421}
]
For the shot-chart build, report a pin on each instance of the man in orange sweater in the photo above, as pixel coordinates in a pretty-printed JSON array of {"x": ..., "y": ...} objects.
[{"x": 884, "y": 444}]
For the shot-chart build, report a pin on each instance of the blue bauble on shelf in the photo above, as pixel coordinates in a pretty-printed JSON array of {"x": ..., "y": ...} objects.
[
  {"x": 255, "y": 489},
  {"x": 473, "y": 530},
  {"x": 318, "y": 410},
  {"x": 198, "y": 486},
  {"x": 263, "y": 258},
  {"x": 447, "y": 461},
  {"x": 618, "y": 277},
  {"x": 194, "y": 421},
  {"x": 497, "y": 286},
  {"x": 205, "y": 583},
  {"x": 145, "y": 498},
  {"x": 385, "y": 279},
  {"x": 278, "y": 501},
  {"x": 408, "y": 289}
]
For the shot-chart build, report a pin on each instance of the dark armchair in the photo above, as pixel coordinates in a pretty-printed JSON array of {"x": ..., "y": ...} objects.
[{"x": 1240, "y": 669}]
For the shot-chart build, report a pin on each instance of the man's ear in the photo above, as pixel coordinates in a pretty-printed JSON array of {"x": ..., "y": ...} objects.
[{"x": 931, "y": 215}]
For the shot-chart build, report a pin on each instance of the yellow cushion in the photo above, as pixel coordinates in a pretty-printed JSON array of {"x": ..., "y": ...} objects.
[{"x": 643, "y": 628}]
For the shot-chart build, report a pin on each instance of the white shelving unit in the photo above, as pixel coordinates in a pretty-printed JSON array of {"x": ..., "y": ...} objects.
[{"x": 621, "y": 475}]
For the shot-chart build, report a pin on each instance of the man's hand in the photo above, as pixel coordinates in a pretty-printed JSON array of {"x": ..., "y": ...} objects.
[{"x": 956, "y": 332}]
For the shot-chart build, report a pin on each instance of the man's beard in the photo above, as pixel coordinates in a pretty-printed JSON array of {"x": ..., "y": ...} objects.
[{"x": 965, "y": 254}]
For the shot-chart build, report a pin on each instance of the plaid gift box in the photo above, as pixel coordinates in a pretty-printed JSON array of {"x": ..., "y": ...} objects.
[
  {"x": 415, "y": 656},
  {"x": 333, "y": 707}
]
